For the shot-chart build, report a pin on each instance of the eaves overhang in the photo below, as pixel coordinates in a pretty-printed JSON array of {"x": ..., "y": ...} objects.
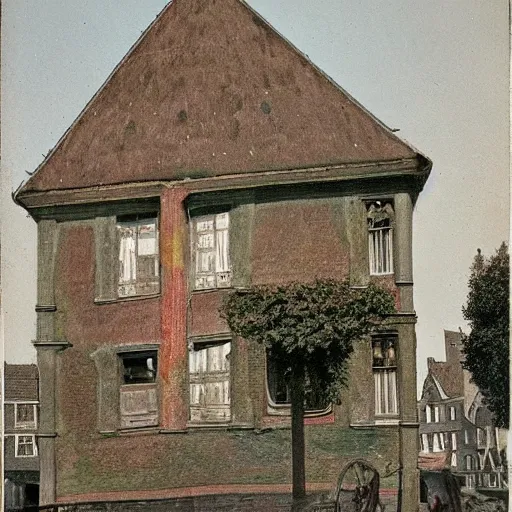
[{"x": 416, "y": 169}]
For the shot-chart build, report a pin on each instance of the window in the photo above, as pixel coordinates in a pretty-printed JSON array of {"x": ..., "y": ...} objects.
[
  {"x": 480, "y": 435},
  {"x": 138, "y": 393},
  {"x": 437, "y": 442},
  {"x": 138, "y": 255},
  {"x": 442, "y": 441},
  {"x": 384, "y": 374},
  {"x": 432, "y": 413},
  {"x": 210, "y": 251},
  {"x": 25, "y": 415},
  {"x": 454, "y": 441},
  {"x": 278, "y": 387},
  {"x": 454, "y": 459},
  {"x": 466, "y": 437},
  {"x": 424, "y": 443},
  {"x": 470, "y": 463},
  {"x": 209, "y": 378},
  {"x": 380, "y": 217},
  {"x": 452, "y": 413},
  {"x": 25, "y": 446}
]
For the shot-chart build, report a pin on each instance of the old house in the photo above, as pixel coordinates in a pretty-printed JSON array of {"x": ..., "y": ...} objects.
[
  {"x": 454, "y": 419},
  {"x": 21, "y": 461},
  {"x": 215, "y": 156}
]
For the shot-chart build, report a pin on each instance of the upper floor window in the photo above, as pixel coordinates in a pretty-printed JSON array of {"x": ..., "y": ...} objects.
[
  {"x": 432, "y": 413},
  {"x": 25, "y": 446},
  {"x": 138, "y": 255},
  {"x": 138, "y": 393},
  {"x": 210, "y": 251},
  {"x": 384, "y": 374},
  {"x": 380, "y": 217},
  {"x": 453, "y": 414},
  {"x": 25, "y": 415}
]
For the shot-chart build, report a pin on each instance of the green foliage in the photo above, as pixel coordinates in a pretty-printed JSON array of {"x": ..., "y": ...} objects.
[
  {"x": 313, "y": 325},
  {"x": 487, "y": 346}
]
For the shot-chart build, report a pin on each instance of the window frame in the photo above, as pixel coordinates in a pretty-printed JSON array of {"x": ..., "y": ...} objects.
[
  {"x": 197, "y": 344},
  {"x": 284, "y": 409},
  {"x": 126, "y": 388},
  {"x": 385, "y": 369},
  {"x": 136, "y": 220},
  {"x": 425, "y": 443},
  {"x": 195, "y": 250},
  {"x": 377, "y": 211},
  {"x": 32, "y": 443},
  {"x": 453, "y": 441},
  {"x": 452, "y": 413},
  {"x": 25, "y": 425}
]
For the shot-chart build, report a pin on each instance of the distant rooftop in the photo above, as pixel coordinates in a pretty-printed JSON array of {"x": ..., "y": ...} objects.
[{"x": 21, "y": 382}]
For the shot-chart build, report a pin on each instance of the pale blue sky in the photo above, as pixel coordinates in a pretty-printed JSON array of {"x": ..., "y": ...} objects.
[{"x": 437, "y": 70}]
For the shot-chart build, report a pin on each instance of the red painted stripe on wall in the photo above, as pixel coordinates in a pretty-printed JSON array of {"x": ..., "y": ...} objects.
[{"x": 173, "y": 349}]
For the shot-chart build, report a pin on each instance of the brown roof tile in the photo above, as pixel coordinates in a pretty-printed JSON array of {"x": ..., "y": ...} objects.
[
  {"x": 21, "y": 382},
  {"x": 450, "y": 373},
  {"x": 211, "y": 89}
]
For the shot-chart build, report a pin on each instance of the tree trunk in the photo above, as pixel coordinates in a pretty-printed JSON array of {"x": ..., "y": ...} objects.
[{"x": 298, "y": 452}]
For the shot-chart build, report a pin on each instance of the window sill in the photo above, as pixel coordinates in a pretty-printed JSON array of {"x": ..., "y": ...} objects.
[
  {"x": 282, "y": 421},
  {"x": 131, "y": 298},
  {"x": 378, "y": 422},
  {"x": 136, "y": 431},
  {"x": 211, "y": 290},
  {"x": 208, "y": 426},
  {"x": 285, "y": 411}
]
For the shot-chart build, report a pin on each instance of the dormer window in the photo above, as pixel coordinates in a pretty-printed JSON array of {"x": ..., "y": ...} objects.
[{"x": 380, "y": 218}]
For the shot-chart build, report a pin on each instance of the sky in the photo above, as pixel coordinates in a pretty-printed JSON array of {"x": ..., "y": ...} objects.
[{"x": 438, "y": 71}]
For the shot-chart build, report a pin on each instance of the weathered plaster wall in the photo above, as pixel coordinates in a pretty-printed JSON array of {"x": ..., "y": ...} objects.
[
  {"x": 212, "y": 458},
  {"x": 12, "y": 463},
  {"x": 293, "y": 240},
  {"x": 297, "y": 241}
]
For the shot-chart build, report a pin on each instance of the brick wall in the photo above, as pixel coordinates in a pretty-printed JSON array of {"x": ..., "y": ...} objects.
[{"x": 295, "y": 240}]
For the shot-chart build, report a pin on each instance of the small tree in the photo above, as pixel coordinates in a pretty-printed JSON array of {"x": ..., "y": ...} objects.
[
  {"x": 487, "y": 346},
  {"x": 312, "y": 328}
]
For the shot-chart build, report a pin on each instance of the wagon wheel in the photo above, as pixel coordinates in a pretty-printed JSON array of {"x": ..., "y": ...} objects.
[{"x": 358, "y": 488}]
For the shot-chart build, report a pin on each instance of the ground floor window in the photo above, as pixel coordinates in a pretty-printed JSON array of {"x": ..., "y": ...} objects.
[
  {"x": 26, "y": 446},
  {"x": 138, "y": 393},
  {"x": 209, "y": 378},
  {"x": 279, "y": 393},
  {"x": 385, "y": 375}
]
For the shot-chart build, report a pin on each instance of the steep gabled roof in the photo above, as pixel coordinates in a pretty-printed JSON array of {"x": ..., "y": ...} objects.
[
  {"x": 449, "y": 375},
  {"x": 432, "y": 389},
  {"x": 21, "y": 382},
  {"x": 211, "y": 89}
]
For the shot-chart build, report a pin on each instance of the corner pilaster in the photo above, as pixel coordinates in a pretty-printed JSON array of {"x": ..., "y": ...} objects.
[
  {"x": 47, "y": 347},
  {"x": 403, "y": 250}
]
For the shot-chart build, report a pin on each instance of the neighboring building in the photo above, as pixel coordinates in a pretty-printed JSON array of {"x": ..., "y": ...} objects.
[
  {"x": 454, "y": 419},
  {"x": 215, "y": 157},
  {"x": 21, "y": 484}
]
